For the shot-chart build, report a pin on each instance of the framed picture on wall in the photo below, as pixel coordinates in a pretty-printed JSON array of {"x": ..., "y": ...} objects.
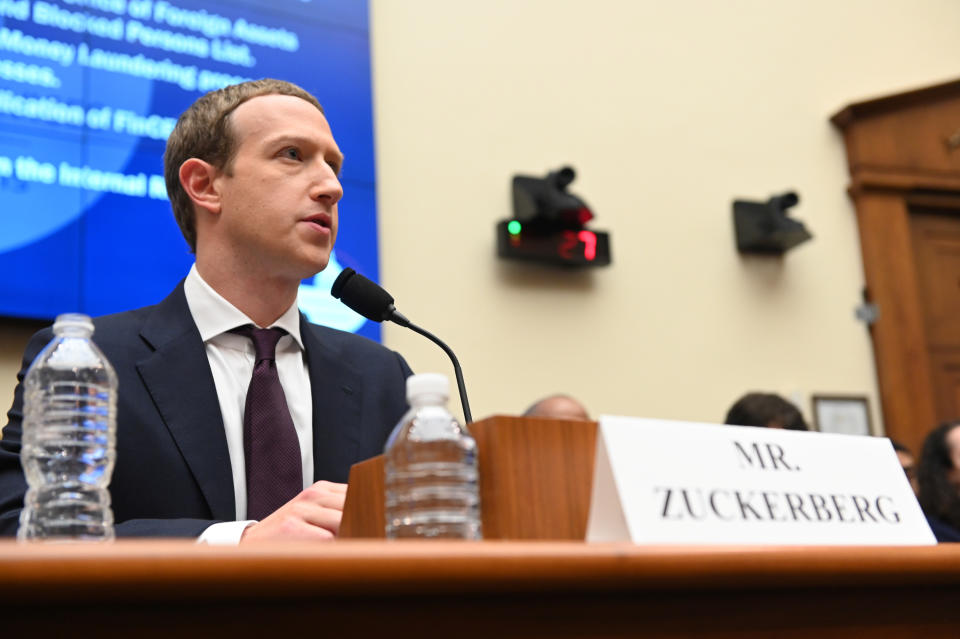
[{"x": 844, "y": 414}]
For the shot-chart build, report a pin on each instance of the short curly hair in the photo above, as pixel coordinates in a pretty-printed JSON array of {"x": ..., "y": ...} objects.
[
  {"x": 203, "y": 131},
  {"x": 937, "y": 495}
]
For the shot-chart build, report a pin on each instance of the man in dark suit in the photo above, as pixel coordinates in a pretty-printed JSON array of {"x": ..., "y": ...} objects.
[{"x": 252, "y": 174}]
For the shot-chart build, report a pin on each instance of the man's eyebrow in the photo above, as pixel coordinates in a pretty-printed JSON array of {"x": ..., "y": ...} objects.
[{"x": 281, "y": 139}]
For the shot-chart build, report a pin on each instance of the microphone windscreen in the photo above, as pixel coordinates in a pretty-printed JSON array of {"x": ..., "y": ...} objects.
[{"x": 362, "y": 295}]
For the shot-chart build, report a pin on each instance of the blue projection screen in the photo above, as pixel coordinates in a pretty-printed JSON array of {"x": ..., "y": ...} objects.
[{"x": 89, "y": 92}]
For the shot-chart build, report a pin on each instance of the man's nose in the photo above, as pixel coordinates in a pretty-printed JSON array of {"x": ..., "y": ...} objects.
[{"x": 326, "y": 185}]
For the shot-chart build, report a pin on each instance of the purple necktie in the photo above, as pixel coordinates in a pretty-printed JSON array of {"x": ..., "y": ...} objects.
[{"x": 270, "y": 443}]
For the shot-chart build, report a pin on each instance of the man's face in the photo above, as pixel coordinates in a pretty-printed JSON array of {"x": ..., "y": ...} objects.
[{"x": 279, "y": 202}]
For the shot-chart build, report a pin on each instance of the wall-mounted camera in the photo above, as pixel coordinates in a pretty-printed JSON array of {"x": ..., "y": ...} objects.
[
  {"x": 764, "y": 227},
  {"x": 549, "y": 224}
]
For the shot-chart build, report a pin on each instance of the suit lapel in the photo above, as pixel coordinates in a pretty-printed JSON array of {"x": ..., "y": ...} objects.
[
  {"x": 177, "y": 375},
  {"x": 337, "y": 400}
]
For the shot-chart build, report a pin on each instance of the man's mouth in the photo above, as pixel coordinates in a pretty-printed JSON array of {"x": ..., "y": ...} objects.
[{"x": 323, "y": 220}]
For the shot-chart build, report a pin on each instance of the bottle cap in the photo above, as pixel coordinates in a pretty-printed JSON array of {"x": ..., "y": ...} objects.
[
  {"x": 73, "y": 322},
  {"x": 428, "y": 384}
]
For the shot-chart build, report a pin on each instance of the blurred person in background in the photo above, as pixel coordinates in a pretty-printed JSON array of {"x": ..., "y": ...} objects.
[
  {"x": 558, "y": 407},
  {"x": 908, "y": 462},
  {"x": 938, "y": 479},
  {"x": 765, "y": 409}
]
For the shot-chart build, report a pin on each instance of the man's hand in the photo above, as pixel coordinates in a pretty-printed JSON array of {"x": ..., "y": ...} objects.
[{"x": 314, "y": 514}]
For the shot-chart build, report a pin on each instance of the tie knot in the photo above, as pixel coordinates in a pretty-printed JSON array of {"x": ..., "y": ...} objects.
[{"x": 264, "y": 340}]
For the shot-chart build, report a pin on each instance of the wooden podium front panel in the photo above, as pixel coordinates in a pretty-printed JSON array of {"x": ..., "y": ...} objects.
[
  {"x": 363, "y": 508},
  {"x": 535, "y": 480}
]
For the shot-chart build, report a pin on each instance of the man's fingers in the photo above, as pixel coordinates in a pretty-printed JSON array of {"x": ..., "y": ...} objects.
[
  {"x": 324, "y": 495},
  {"x": 332, "y": 486},
  {"x": 287, "y": 528},
  {"x": 321, "y": 517},
  {"x": 313, "y": 514}
]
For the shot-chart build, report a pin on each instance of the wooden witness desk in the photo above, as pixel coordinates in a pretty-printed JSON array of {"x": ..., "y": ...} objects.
[
  {"x": 478, "y": 589},
  {"x": 532, "y": 577}
]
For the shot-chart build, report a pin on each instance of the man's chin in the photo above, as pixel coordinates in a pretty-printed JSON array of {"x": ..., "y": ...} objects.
[{"x": 316, "y": 266}]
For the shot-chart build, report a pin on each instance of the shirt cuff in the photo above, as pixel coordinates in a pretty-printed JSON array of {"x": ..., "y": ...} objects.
[{"x": 227, "y": 533}]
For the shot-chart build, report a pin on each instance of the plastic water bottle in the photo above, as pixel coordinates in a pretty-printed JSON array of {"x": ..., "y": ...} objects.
[
  {"x": 431, "y": 468},
  {"x": 69, "y": 433}
]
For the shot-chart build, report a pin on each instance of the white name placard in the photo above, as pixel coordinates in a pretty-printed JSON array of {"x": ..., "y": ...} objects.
[{"x": 668, "y": 482}]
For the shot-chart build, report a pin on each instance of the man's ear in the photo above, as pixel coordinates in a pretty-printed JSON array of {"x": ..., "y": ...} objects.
[{"x": 198, "y": 180}]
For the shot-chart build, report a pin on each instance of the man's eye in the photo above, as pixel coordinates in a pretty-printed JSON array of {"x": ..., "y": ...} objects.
[{"x": 292, "y": 153}]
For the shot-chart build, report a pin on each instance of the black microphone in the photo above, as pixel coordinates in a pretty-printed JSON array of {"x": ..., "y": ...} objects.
[{"x": 370, "y": 300}]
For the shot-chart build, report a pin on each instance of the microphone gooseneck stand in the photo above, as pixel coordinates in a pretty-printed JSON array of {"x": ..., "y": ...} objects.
[
  {"x": 369, "y": 299},
  {"x": 398, "y": 318}
]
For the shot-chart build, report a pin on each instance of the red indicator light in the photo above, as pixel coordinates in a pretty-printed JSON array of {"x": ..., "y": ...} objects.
[
  {"x": 589, "y": 240},
  {"x": 569, "y": 241},
  {"x": 584, "y": 215}
]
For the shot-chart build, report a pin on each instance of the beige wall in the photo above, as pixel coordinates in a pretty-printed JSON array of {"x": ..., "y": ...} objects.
[{"x": 668, "y": 111}]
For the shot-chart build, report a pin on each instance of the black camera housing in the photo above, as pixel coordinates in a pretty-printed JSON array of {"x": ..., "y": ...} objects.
[{"x": 764, "y": 227}]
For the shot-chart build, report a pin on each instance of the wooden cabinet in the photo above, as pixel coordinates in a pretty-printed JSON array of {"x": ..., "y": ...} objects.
[{"x": 903, "y": 154}]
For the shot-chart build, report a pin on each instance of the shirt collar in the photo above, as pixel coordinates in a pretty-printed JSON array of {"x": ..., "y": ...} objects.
[{"x": 214, "y": 315}]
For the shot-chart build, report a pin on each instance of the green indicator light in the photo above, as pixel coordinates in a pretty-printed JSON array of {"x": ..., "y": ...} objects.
[{"x": 513, "y": 227}]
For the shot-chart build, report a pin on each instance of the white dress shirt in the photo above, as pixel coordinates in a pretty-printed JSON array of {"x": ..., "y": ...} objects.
[{"x": 232, "y": 360}]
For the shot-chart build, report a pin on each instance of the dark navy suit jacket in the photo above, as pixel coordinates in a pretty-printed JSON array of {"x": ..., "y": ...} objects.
[
  {"x": 172, "y": 476},
  {"x": 943, "y": 531}
]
